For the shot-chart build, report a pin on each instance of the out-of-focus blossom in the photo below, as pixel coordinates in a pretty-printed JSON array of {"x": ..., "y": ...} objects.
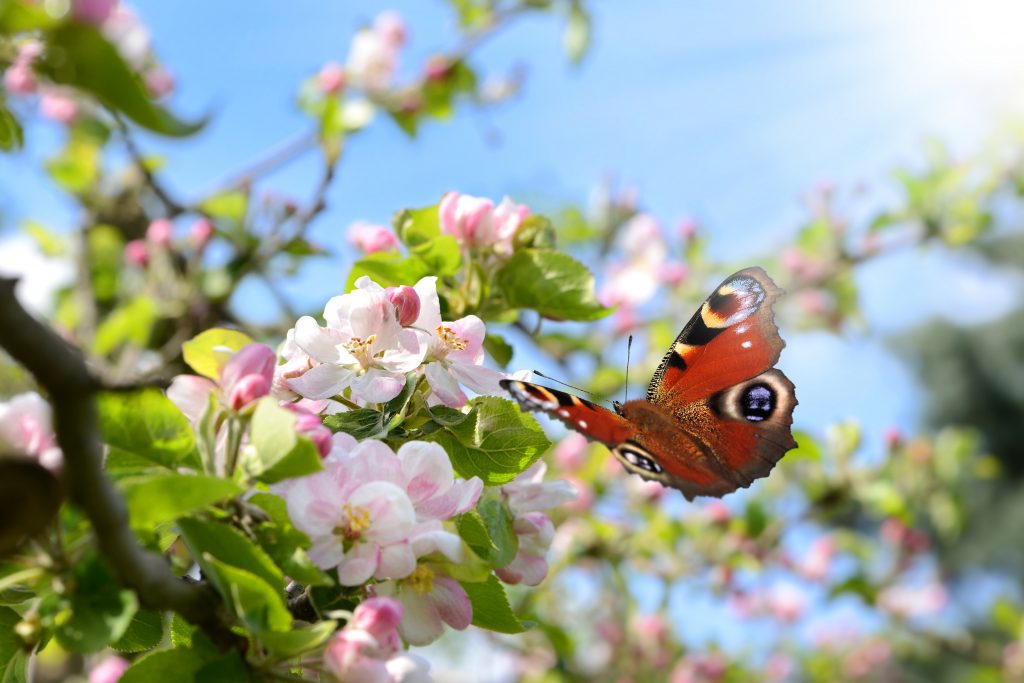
[
  {"x": 245, "y": 377},
  {"x": 109, "y": 670},
  {"x": 26, "y": 428},
  {"x": 913, "y": 601},
  {"x": 530, "y": 565},
  {"x": 159, "y": 82},
  {"x": 867, "y": 657},
  {"x": 131, "y": 38},
  {"x": 431, "y": 600},
  {"x": 200, "y": 233},
  {"x": 407, "y": 304},
  {"x": 893, "y": 437},
  {"x": 436, "y": 68},
  {"x": 371, "y": 238},
  {"x": 571, "y": 452},
  {"x": 718, "y": 512},
  {"x": 907, "y": 540},
  {"x": 58, "y": 106},
  {"x": 331, "y": 78},
  {"x": 814, "y": 301},
  {"x": 363, "y": 650},
  {"x": 687, "y": 228},
  {"x": 374, "y": 54},
  {"x": 704, "y": 668},
  {"x": 408, "y": 667},
  {"x": 802, "y": 266},
  {"x": 530, "y": 493},
  {"x": 786, "y": 602},
  {"x": 634, "y": 282},
  {"x": 476, "y": 222},
  {"x": 160, "y": 232},
  {"x": 94, "y": 12},
  {"x": 674, "y": 273},
  {"x": 454, "y": 350},
  {"x": 137, "y": 253},
  {"x": 362, "y": 347},
  {"x": 19, "y": 77},
  {"x": 778, "y": 668},
  {"x": 816, "y": 563}
]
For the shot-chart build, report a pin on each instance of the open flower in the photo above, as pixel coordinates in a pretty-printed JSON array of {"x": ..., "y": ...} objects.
[
  {"x": 371, "y": 238},
  {"x": 455, "y": 351},
  {"x": 373, "y": 55},
  {"x": 430, "y": 600},
  {"x": 363, "y": 347},
  {"x": 475, "y": 221},
  {"x": 26, "y": 428}
]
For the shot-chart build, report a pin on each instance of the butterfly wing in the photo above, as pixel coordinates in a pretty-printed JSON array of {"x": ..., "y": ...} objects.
[
  {"x": 718, "y": 384},
  {"x": 587, "y": 418}
]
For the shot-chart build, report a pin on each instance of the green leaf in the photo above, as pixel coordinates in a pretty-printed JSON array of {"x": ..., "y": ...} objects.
[
  {"x": 500, "y": 350},
  {"x": 230, "y": 546},
  {"x": 181, "y": 631},
  {"x": 278, "y": 451},
  {"x": 807, "y": 447},
  {"x": 552, "y": 283},
  {"x": 76, "y": 168},
  {"x": 363, "y": 423},
  {"x": 178, "y": 665},
  {"x": 284, "y": 543},
  {"x": 79, "y": 56},
  {"x": 577, "y": 33},
  {"x": 49, "y": 242},
  {"x": 100, "y": 610},
  {"x": 166, "y": 496},
  {"x": 12, "y": 137},
  {"x": 16, "y": 669},
  {"x": 10, "y": 643},
  {"x": 231, "y": 205},
  {"x": 388, "y": 269},
  {"x": 106, "y": 248},
  {"x": 145, "y": 632},
  {"x": 129, "y": 324},
  {"x": 261, "y": 606},
  {"x": 489, "y": 532},
  {"x": 496, "y": 441},
  {"x": 208, "y": 351},
  {"x": 147, "y": 425},
  {"x": 298, "y": 640},
  {"x": 18, "y": 16},
  {"x": 228, "y": 668},
  {"x": 491, "y": 609}
]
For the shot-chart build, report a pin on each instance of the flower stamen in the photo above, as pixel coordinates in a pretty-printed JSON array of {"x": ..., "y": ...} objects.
[
  {"x": 450, "y": 339},
  {"x": 356, "y": 520},
  {"x": 421, "y": 580},
  {"x": 360, "y": 348}
]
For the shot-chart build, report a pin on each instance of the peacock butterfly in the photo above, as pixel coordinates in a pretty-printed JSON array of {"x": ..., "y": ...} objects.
[{"x": 717, "y": 415}]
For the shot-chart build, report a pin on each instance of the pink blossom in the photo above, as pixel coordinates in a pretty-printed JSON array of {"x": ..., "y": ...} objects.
[
  {"x": 530, "y": 493},
  {"x": 371, "y": 238},
  {"x": 814, "y": 302},
  {"x": 454, "y": 351},
  {"x": 349, "y": 656},
  {"x": 636, "y": 280},
  {"x": 571, "y": 452},
  {"x": 913, "y": 601},
  {"x": 704, "y": 668},
  {"x": 19, "y": 77},
  {"x": 687, "y": 228},
  {"x": 26, "y": 428},
  {"x": 331, "y": 78},
  {"x": 373, "y": 55},
  {"x": 867, "y": 657},
  {"x": 430, "y": 482},
  {"x": 530, "y": 565},
  {"x": 363, "y": 347},
  {"x": 717, "y": 512},
  {"x": 137, "y": 253},
  {"x": 476, "y": 222},
  {"x": 109, "y": 670},
  {"x": 129, "y": 36},
  {"x": 674, "y": 273},
  {"x": 58, "y": 106},
  {"x": 92, "y": 11},
  {"x": 407, "y": 304},
  {"x": 245, "y": 377},
  {"x": 436, "y": 68},
  {"x": 431, "y": 600},
  {"x": 893, "y": 437},
  {"x": 816, "y": 563},
  {"x": 308, "y": 424},
  {"x": 380, "y": 618},
  {"x": 159, "y": 82},
  {"x": 200, "y": 233},
  {"x": 778, "y": 668},
  {"x": 160, "y": 232},
  {"x": 786, "y": 602},
  {"x": 408, "y": 667}
]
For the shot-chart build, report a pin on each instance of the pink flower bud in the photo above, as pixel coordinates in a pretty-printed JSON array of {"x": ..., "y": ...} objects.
[
  {"x": 687, "y": 229},
  {"x": 462, "y": 216},
  {"x": 674, "y": 273},
  {"x": 248, "y": 389},
  {"x": 159, "y": 82},
  {"x": 391, "y": 27},
  {"x": 253, "y": 359},
  {"x": 309, "y": 425},
  {"x": 137, "y": 253},
  {"x": 437, "y": 68},
  {"x": 331, "y": 78},
  {"x": 20, "y": 79},
  {"x": 94, "y": 12},
  {"x": 378, "y": 616},
  {"x": 893, "y": 438},
  {"x": 718, "y": 512},
  {"x": 371, "y": 238},
  {"x": 406, "y": 302},
  {"x": 109, "y": 670},
  {"x": 160, "y": 232},
  {"x": 200, "y": 233},
  {"x": 58, "y": 107}
]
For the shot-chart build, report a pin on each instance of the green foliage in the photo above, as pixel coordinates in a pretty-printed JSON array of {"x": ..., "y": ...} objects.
[
  {"x": 165, "y": 496},
  {"x": 101, "y": 611},
  {"x": 278, "y": 451},
  {"x": 494, "y": 441},
  {"x": 552, "y": 283},
  {"x": 491, "y": 609},
  {"x": 147, "y": 425},
  {"x": 489, "y": 533},
  {"x": 207, "y": 352}
]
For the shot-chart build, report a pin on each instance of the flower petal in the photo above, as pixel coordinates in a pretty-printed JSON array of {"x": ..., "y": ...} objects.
[
  {"x": 421, "y": 621},
  {"x": 407, "y": 352},
  {"x": 397, "y": 561},
  {"x": 471, "y": 330},
  {"x": 191, "y": 394},
  {"x": 443, "y": 385},
  {"x": 430, "y": 306},
  {"x": 377, "y": 386},
  {"x": 359, "y": 564},
  {"x": 320, "y": 343},
  {"x": 321, "y": 381},
  {"x": 480, "y": 379},
  {"x": 451, "y": 602},
  {"x": 427, "y": 469}
]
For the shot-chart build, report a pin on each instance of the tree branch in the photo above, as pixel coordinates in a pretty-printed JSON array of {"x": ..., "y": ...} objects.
[{"x": 61, "y": 371}]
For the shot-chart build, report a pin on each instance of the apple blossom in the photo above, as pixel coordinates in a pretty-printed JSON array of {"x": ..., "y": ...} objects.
[
  {"x": 363, "y": 347},
  {"x": 137, "y": 253},
  {"x": 476, "y": 222},
  {"x": 19, "y": 77},
  {"x": 634, "y": 282},
  {"x": 530, "y": 565},
  {"x": 430, "y": 600},
  {"x": 129, "y": 36},
  {"x": 361, "y": 651},
  {"x": 58, "y": 106},
  {"x": 373, "y": 54},
  {"x": 26, "y": 428},
  {"x": 331, "y": 78},
  {"x": 407, "y": 304},
  {"x": 308, "y": 424},
  {"x": 109, "y": 670},
  {"x": 454, "y": 351},
  {"x": 160, "y": 232},
  {"x": 370, "y": 237},
  {"x": 246, "y": 376},
  {"x": 200, "y": 233},
  {"x": 913, "y": 601}
]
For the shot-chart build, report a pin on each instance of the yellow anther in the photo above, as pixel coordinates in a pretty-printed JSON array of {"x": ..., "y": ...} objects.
[
  {"x": 421, "y": 580},
  {"x": 356, "y": 521},
  {"x": 450, "y": 339},
  {"x": 360, "y": 348}
]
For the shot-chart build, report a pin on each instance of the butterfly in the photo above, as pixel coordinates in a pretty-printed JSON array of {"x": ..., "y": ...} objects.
[{"x": 717, "y": 415}]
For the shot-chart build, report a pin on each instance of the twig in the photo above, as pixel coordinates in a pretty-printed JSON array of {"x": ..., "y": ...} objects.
[
  {"x": 172, "y": 206},
  {"x": 61, "y": 371}
]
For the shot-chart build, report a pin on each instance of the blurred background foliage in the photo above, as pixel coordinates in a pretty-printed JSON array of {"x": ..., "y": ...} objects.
[{"x": 857, "y": 559}]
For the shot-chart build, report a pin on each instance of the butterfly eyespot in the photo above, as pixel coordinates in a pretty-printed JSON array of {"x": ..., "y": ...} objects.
[
  {"x": 757, "y": 403},
  {"x": 638, "y": 459}
]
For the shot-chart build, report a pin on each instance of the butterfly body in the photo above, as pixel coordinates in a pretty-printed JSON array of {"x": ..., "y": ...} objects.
[{"x": 716, "y": 416}]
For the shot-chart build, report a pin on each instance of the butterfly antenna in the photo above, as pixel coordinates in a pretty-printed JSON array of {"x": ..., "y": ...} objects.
[
  {"x": 565, "y": 384},
  {"x": 629, "y": 348}
]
